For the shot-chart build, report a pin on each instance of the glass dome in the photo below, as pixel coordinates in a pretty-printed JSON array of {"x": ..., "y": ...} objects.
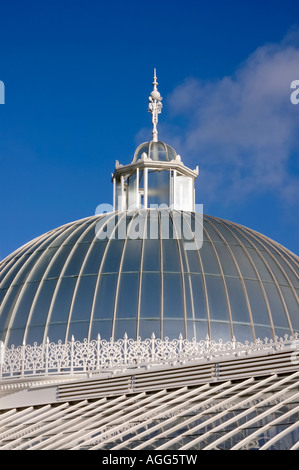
[
  {"x": 69, "y": 281},
  {"x": 157, "y": 151}
]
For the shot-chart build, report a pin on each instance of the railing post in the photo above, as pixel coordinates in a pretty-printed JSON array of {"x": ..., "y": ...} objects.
[
  {"x": 72, "y": 355},
  {"x": 98, "y": 351},
  {"x": 47, "y": 357},
  {"x": 125, "y": 349},
  {"x": 153, "y": 352},
  {"x": 180, "y": 345},
  {"x": 23, "y": 351}
]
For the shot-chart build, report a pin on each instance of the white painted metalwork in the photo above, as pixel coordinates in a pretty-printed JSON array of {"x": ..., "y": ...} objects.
[
  {"x": 155, "y": 106},
  {"x": 188, "y": 417},
  {"x": 89, "y": 356}
]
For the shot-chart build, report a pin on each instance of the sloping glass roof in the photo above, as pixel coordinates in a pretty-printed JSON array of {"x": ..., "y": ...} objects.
[
  {"x": 69, "y": 282},
  {"x": 252, "y": 413}
]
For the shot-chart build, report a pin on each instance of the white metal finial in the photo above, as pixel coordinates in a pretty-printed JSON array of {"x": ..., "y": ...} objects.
[{"x": 155, "y": 106}]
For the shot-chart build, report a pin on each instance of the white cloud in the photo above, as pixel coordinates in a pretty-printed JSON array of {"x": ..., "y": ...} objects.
[{"x": 243, "y": 129}]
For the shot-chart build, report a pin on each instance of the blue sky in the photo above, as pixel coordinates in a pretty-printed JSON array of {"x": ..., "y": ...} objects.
[{"x": 77, "y": 77}]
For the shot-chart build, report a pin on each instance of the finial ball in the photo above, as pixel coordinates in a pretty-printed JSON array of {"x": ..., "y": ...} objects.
[{"x": 155, "y": 95}]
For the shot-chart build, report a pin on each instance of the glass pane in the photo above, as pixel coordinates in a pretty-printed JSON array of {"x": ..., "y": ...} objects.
[
  {"x": 7, "y": 306},
  {"x": 243, "y": 262},
  {"x": 173, "y": 328},
  {"x": 93, "y": 262},
  {"x": 199, "y": 300},
  {"x": 243, "y": 333},
  {"x": 105, "y": 297},
  {"x": 226, "y": 260},
  {"x": 2, "y": 294},
  {"x": 26, "y": 267},
  {"x": 79, "y": 330},
  {"x": 123, "y": 327},
  {"x": 151, "y": 255},
  {"x": 287, "y": 269},
  {"x": 63, "y": 299},
  {"x": 260, "y": 265},
  {"x": 84, "y": 298},
  {"x": 171, "y": 259},
  {"x": 212, "y": 233},
  {"x": 59, "y": 261},
  {"x": 277, "y": 271},
  {"x": 76, "y": 260},
  {"x": 220, "y": 330},
  {"x": 225, "y": 230},
  {"x": 42, "y": 303},
  {"x": 197, "y": 330},
  {"x": 217, "y": 299},
  {"x": 76, "y": 231},
  {"x": 292, "y": 305},
  {"x": 35, "y": 334},
  {"x": 16, "y": 336},
  {"x": 193, "y": 261},
  {"x": 209, "y": 260},
  {"x": 27, "y": 296},
  {"x": 136, "y": 228},
  {"x": 150, "y": 302},
  {"x": 239, "y": 308},
  {"x": 113, "y": 256},
  {"x": 173, "y": 296},
  {"x": 128, "y": 296},
  {"x": 148, "y": 327},
  {"x": 102, "y": 328},
  {"x": 158, "y": 187},
  {"x": 132, "y": 255},
  {"x": 40, "y": 268},
  {"x": 276, "y": 307},
  {"x": 57, "y": 332},
  {"x": 259, "y": 310}
]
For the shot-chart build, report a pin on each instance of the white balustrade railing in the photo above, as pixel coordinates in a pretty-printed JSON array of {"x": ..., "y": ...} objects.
[{"x": 97, "y": 355}]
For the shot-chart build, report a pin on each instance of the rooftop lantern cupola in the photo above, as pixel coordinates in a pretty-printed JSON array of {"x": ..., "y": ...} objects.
[{"x": 156, "y": 176}]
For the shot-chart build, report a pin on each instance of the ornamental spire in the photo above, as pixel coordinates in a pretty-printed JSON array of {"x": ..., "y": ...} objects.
[{"x": 155, "y": 107}]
